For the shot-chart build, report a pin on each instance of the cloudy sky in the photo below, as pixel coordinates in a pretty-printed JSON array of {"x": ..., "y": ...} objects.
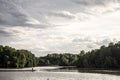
[{"x": 48, "y": 26}]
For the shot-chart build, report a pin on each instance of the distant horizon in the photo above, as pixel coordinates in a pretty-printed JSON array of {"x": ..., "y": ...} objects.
[{"x": 59, "y": 52}]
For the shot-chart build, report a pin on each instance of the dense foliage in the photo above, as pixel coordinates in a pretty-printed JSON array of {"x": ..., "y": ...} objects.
[
  {"x": 12, "y": 58},
  {"x": 105, "y": 57},
  {"x": 58, "y": 59}
]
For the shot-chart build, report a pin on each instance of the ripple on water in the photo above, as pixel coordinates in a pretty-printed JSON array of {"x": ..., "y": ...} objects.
[{"x": 55, "y": 76}]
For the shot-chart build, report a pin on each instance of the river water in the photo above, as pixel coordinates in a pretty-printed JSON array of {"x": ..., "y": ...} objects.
[{"x": 46, "y": 75}]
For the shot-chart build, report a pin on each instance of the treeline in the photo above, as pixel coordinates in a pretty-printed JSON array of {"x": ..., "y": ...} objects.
[
  {"x": 65, "y": 59},
  {"x": 12, "y": 58},
  {"x": 105, "y": 58}
]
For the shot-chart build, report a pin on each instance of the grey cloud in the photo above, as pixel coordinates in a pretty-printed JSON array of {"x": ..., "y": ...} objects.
[
  {"x": 90, "y": 46},
  {"x": 87, "y": 5},
  {"x": 19, "y": 12},
  {"x": 93, "y": 2},
  {"x": 6, "y": 37},
  {"x": 85, "y": 39},
  {"x": 12, "y": 14},
  {"x": 90, "y": 43},
  {"x": 88, "y": 40},
  {"x": 64, "y": 14},
  {"x": 4, "y": 33},
  {"x": 43, "y": 53},
  {"x": 41, "y": 9},
  {"x": 105, "y": 41},
  {"x": 87, "y": 43}
]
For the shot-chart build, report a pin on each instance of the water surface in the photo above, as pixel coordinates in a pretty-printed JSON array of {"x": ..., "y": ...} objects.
[{"x": 46, "y": 75}]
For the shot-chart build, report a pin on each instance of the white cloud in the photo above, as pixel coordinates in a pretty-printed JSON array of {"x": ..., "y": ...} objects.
[
  {"x": 32, "y": 21},
  {"x": 59, "y": 25}
]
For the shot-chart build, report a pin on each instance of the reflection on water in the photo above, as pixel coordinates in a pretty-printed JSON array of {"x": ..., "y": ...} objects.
[
  {"x": 44, "y": 75},
  {"x": 55, "y": 76}
]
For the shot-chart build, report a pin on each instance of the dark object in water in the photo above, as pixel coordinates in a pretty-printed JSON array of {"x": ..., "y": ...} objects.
[{"x": 32, "y": 69}]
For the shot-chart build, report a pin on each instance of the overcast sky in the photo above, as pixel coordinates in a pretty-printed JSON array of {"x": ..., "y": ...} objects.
[{"x": 61, "y": 26}]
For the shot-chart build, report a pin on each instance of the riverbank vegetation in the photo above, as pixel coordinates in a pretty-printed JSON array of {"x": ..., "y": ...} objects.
[
  {"x": 12, "y": 58},
  {"x": 107, "y": 57}
]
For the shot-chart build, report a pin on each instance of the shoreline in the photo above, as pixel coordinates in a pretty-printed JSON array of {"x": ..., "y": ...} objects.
[
  {"x": 61, "y": 69},
  {"x": 43, "y": 68},
  {"x": 17, "y": 70}
]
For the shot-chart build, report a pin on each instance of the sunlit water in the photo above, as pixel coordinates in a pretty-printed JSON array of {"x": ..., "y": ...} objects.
[{"x": 44, "y": 75}]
